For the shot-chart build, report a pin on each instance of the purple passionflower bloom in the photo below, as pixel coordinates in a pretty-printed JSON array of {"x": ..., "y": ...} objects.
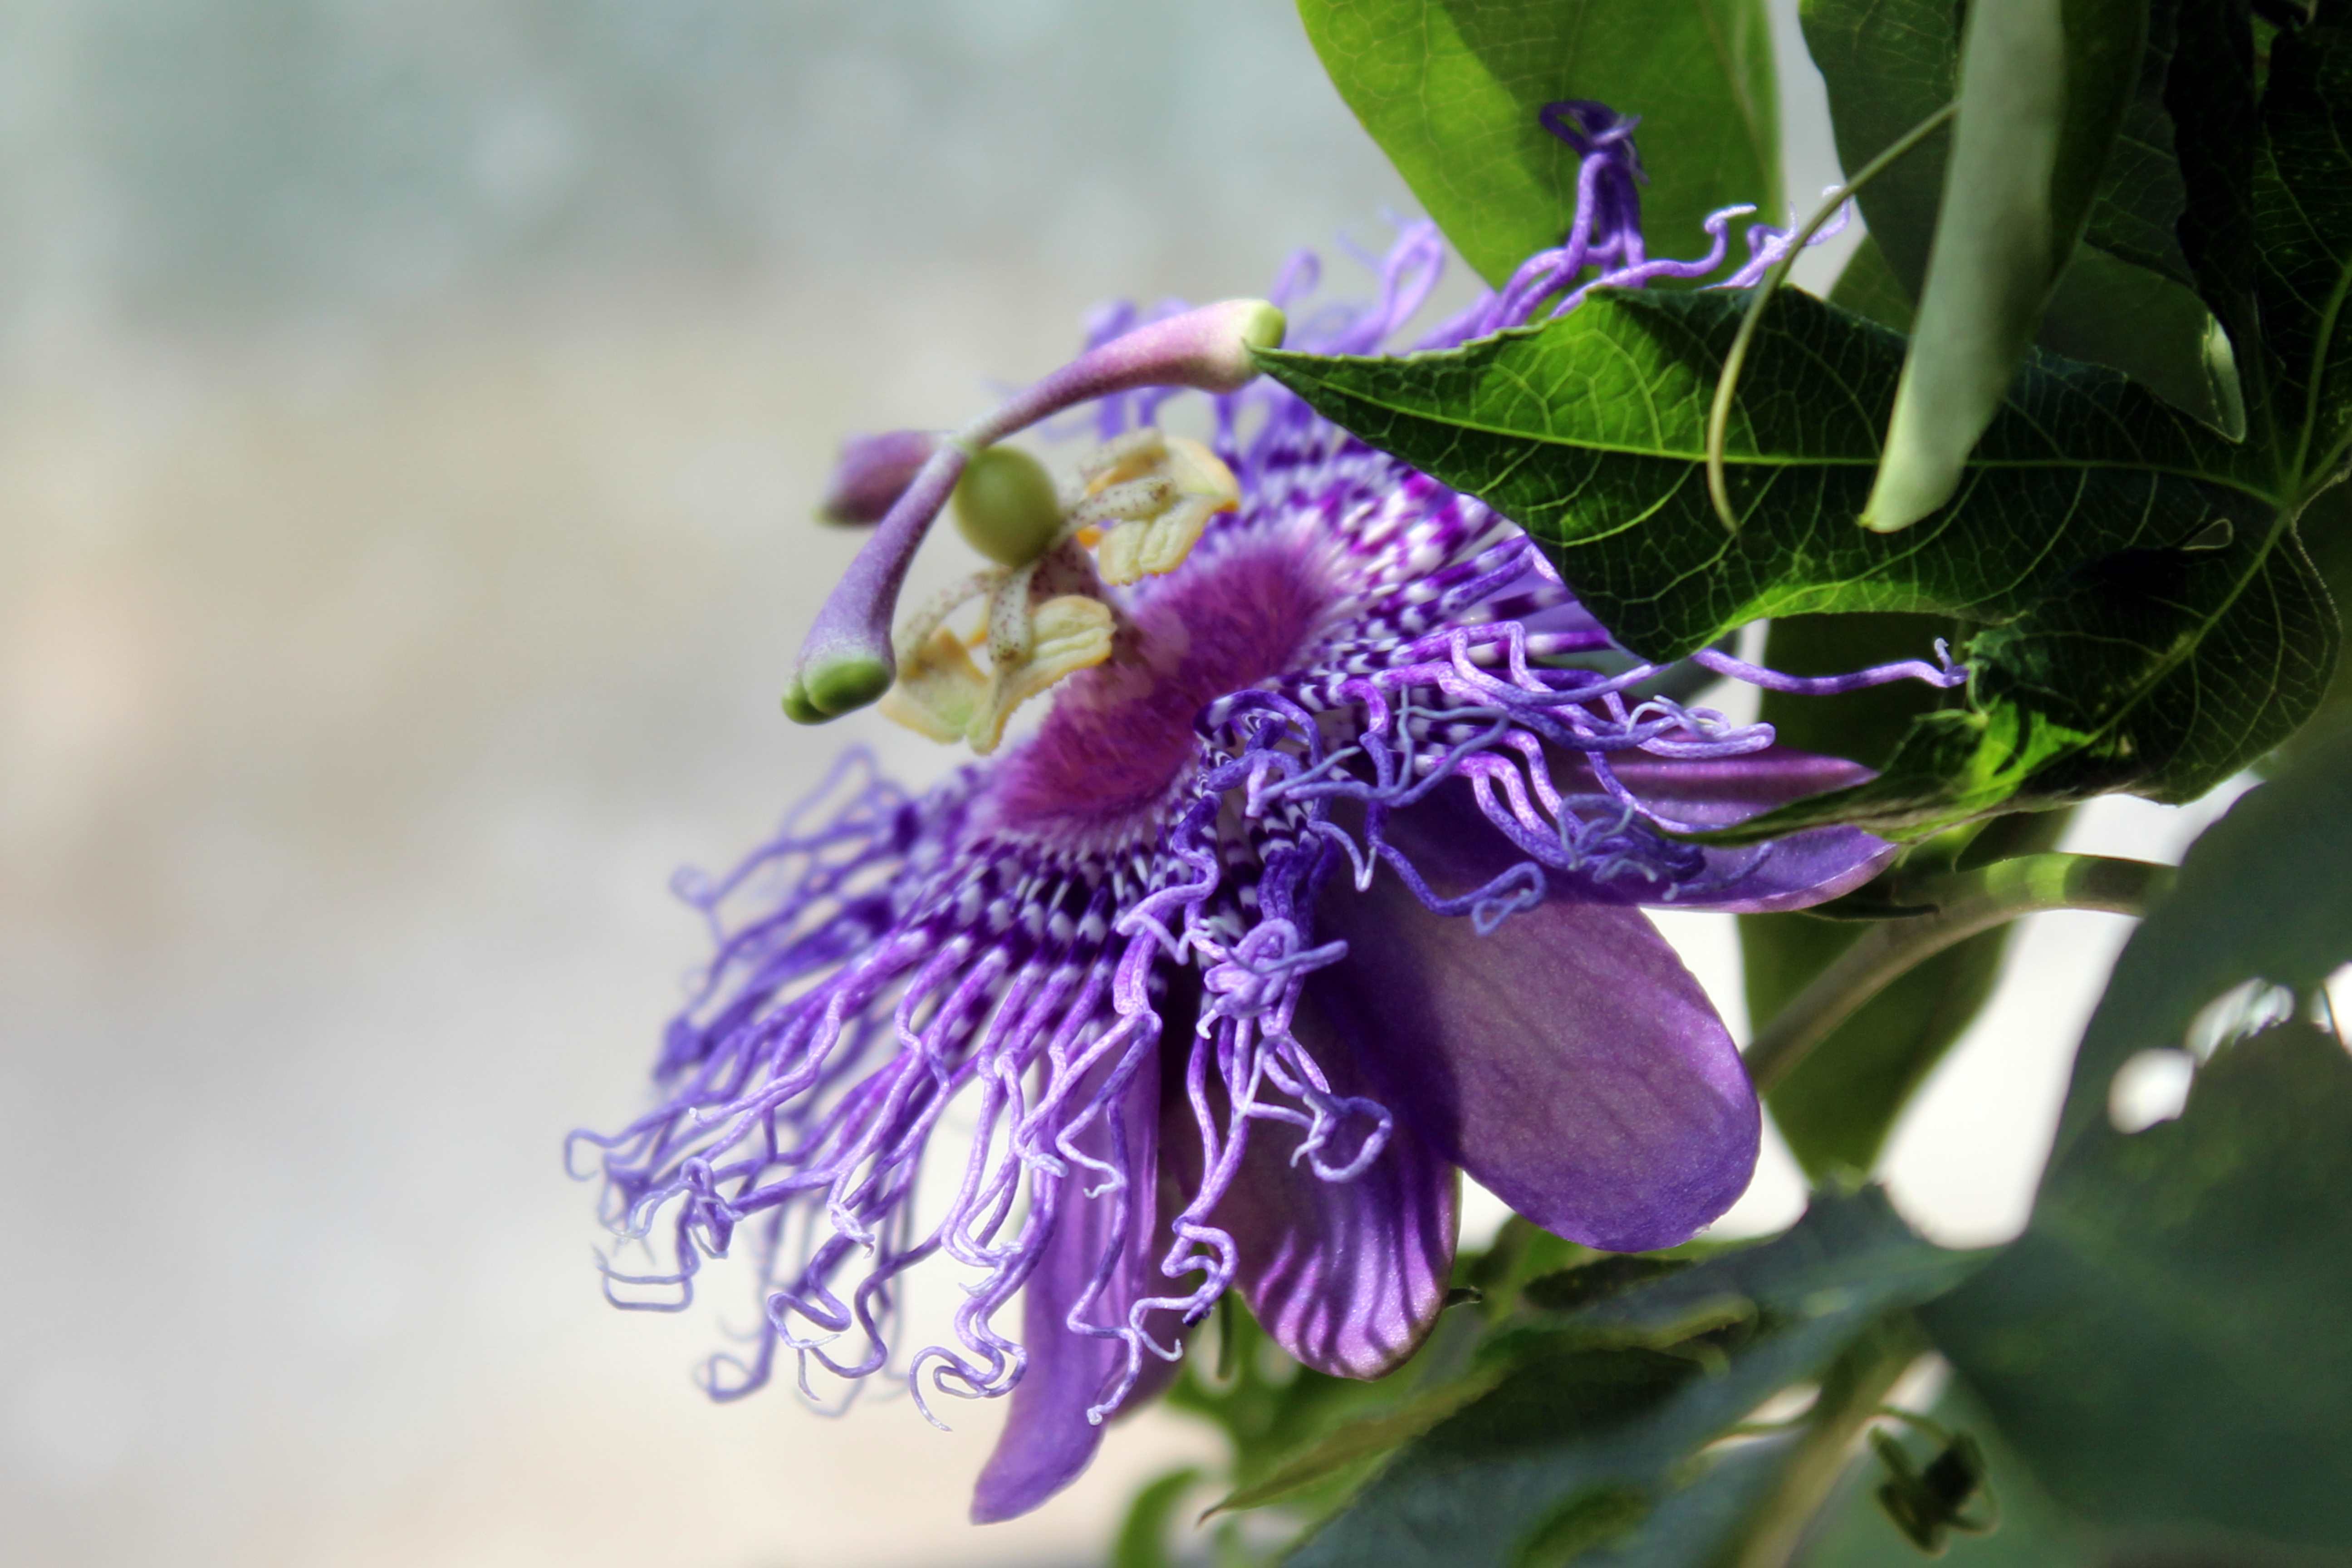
[{"x": 1318, "y": 886}]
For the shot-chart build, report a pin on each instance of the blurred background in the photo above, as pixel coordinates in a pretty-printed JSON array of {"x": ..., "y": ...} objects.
[{"x": 409, "y": 413}]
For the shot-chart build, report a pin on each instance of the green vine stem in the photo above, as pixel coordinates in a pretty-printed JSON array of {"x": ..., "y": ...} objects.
[
  {"x": 1718, "y": 416},
  {"x": 1954, "y": 907},
  {"x": 1851, "y": 1397}
]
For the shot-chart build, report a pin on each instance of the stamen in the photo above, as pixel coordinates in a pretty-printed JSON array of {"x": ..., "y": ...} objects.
[
  {"x": 846, "y": 661},
  {"x": 1046, "y": 617}
]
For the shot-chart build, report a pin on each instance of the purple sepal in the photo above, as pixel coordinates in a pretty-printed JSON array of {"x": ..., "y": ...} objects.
[
  {"x": 873, "y": 472},
  {"x": 1048, "y": 1439},
  {"x": 1345, "y": 1276},
  {"x": 1566, "y": 1060},
  {"x": 1794, "y": 872},
  {"x": 1458, "y": 846}
]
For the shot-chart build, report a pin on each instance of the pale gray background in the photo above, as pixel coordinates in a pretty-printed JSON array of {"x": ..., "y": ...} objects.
[{"x": 408, "y": 413}]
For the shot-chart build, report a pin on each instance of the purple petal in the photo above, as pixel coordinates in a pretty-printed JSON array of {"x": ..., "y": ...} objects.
[
  {"x": 1568, "y": 1061},
  {"x": 1347, "y": 1277},
  {"x": 1447, "y": 828},
  {"x": 1791, "y": 873},
  {"x": 1048, "y": 1439}
]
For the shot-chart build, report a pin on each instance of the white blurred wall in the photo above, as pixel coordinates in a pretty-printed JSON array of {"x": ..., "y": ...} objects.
[{"x": 408, "y": 413}]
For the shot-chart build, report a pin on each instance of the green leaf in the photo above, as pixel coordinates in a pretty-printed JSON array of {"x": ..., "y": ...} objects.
[
  {"x": 1351, "y": 1445},
  {"x": 1837, "y": 1106},
  {"x": 1451, "y": 88},
  {"x": 2043, "y": 93},
  {"x": 1703, "y": 1520},
  {"x": 1143, "y": 1540},
  {"x": 1580, "y": 1439},
  {"x": 1868, "y": 287},
  {"x": 2164, "y": 1343},
  {"x": 2034, "y": 1531},
  {"x": 2266, "y": 892},
  {"x": 2135, "y": 212},
  {"x": 2125, "y": 300},
  {"x": 2109, "y": 313},
  {"x": 1889, "y": 64},
  {"x": 2326, "y": 528},
  {"x": 2130, "y": 640}
]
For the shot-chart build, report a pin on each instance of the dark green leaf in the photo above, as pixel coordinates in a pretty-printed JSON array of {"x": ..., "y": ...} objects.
[
  {"x": 1513, "y": 1473},
  {"x": 1604, "y": 1277},
  {"x": 2165, "y": 1345},
  {"x": 1451, "y": 88},
  {"x": 2165, "y": 1342},
  {"x": 2033, "y": 1532},
  {"x": 2130, "y": 642},
  {"x": 2135, "y": 214},
  {"x": 1868, "y": 287},
  {"x": 2215, "y": 93},
  {"x": 2043, "y": 93},
  {"x": 2124, "y": 300},
  {"x": 1889, "y": 64},
  {"x": 2303, "y": 217}
]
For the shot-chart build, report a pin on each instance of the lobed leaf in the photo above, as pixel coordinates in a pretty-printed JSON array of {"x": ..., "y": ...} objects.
[
  {"x": 2164, "y": 1343},
  {"x": 1582, "y": 1444},
  {"x": 2142, "y": 630}
]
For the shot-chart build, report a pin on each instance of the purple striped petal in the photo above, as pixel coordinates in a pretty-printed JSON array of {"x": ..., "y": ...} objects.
[
  {"x": 1048, "y": 1439},
  {"x": 1792, "y": 873},
  {"x": 1567, "y": 1060},
  {"x": 1347, "y": 1277},
  {"x": 1449, "y": 838}
]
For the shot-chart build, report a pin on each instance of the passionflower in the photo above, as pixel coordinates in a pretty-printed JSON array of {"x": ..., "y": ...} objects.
[{"x": 1317, "y": 886}]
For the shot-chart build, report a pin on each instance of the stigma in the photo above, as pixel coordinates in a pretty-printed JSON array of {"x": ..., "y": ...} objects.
[{"x": 1141, "y": 504}]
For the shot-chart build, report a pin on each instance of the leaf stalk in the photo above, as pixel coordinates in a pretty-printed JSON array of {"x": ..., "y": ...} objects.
[{"x": 1957, "y": 906}]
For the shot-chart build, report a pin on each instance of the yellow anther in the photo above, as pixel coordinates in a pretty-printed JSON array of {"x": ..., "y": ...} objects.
[
  {"x": 1067, "y": 634},
  {"x": 1162, "y": 489},
  {"x": 1123, "y": 458},
  {"x": 938, "y": 690},
  {"x": 1146, "y": 498},
  {"x": 1198, "y": 471}
]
